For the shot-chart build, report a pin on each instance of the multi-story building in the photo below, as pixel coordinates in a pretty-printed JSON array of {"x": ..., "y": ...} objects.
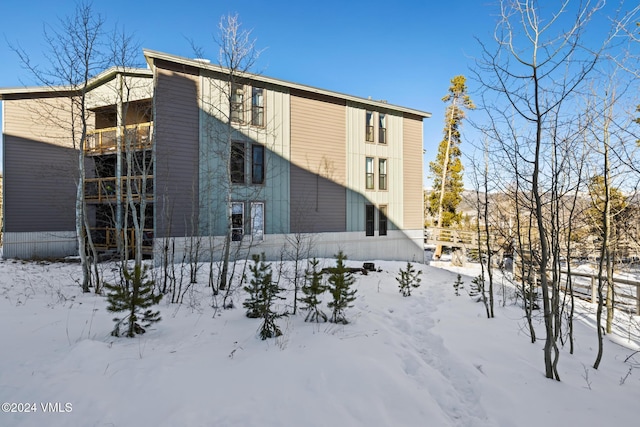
[{"x": 208, "y": 151}]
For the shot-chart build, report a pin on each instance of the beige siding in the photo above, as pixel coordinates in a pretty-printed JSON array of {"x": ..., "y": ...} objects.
[
  {"x": 357, "y": 151},
  {"x": 318, "y": 164},
  {"x": 176, "y": 136},
  {"x": 412, "y": 169},
  {"x": 134, "y": 89},
  {"x": 46, "y": 120}
]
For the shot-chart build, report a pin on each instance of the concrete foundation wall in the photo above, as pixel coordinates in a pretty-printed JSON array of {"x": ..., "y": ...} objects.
[
  {"x": 396, "y": 246},
  {"x": 40, "y": 244}
]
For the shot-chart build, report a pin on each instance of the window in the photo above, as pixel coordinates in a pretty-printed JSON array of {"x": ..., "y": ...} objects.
[
  {"x": 382, "y": 128},
  {"x": 382, "y": 174},
  {"x": 257, "y": 220},
  {"x": 257, "y": 106},
  {"x": 257, "y": 164},
  {"x": 382, "y": 220},
  {"x": 369, "y": 221},
  {"x": 237, "y": 103},
  {"x": 369, "y": 173},
  {"x": 236, "y": 163},
  {"x": 237, "y": 221},
  {"x": 369, "y": 126}
]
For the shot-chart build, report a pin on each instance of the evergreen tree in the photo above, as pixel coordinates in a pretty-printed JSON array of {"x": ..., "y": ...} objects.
[
  {"x": 446, "y": 170},
  {"x": 340, "y": 282},
  {"x": 619, "y": 209},
  {"x": 132, "y": 297},
  {"x": 408, "y": 279},
  {"x": 458, "y": 284},
  {"x": 312, "y": 290},
  {"x": 263, "y": 293}
]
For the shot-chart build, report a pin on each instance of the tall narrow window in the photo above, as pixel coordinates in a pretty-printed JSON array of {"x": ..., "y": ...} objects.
[
  {"x": 257, "y": 220},
  {"x": 237, "y": 221},
  {"x": 369, "y": 126},
  {"x": 257, "y": 164},
  {"x": 369, "y": 173},
  {"x": 382, "y": 128},
  {"x": 382, "y": 220},
  {"x": 236, "y": 163},
  {"x": 369, "y": 212},
  {"x": 237, "y": 103},
  {"x": 382, "y": 174},
  {"x": 257, "y": 106}
]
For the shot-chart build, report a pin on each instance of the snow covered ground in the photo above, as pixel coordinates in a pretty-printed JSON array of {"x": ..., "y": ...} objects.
[{"x": 431, "y": 359}]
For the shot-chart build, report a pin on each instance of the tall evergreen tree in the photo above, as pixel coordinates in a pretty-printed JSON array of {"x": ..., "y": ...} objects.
[
  {"x": 263, "y": 293},
  {"x": 446, "y": 170},
  {"x": 340, "y": 282},
  {"x": 312, "y": 290}
]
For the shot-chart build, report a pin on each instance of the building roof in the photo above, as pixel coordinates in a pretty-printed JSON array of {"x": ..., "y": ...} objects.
[
  {"x": 43, "y": 91},
  {"x": 152, "y": 55}
]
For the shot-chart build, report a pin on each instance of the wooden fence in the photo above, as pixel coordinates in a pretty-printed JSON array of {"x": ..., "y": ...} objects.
[{"x": 624, "y": 295}]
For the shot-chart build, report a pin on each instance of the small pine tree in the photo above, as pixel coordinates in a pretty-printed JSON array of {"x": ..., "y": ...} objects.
[
  {"x": 132, "y": 297},
  {"x": 263, "y": 293},
  {"x": 477, "y": 286},
  {"x": 312, "y": 291},
  {"x": 458, "y": 284},
  {"x": 340, "y": 283},
  {"x": 254, "y": 303},
  {"x": 408, "y": 279}
]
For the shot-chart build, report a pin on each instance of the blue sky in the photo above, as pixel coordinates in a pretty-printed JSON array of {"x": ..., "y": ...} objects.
[{"x": 404, "y": 51}]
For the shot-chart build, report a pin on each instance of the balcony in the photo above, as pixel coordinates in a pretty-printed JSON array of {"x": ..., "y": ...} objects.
[
  {"x": 99, "y": 190},
  {"x": 136, "y": 137},
  {"x": 105, "y": 238}
]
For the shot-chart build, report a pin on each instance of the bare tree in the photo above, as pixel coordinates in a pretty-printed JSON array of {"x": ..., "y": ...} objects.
[
  {"x": 75, "y": 56},
  {"x": 534, "y": 72}
]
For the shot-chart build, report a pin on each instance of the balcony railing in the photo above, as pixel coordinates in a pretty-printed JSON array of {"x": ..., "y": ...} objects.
[
  {"x": 105, "y": 189},
  {"x": 106, "y": 238},
  {"x": 136, "y": 137}
]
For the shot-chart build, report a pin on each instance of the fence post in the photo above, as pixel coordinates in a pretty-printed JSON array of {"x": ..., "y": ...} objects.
[{"x": 593, "y": 290}]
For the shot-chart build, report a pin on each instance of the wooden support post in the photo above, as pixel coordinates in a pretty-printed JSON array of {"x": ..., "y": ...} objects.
[{"x": 438, "y": 253}]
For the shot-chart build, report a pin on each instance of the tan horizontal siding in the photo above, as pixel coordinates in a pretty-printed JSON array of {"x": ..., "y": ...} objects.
[
  {"x": 318, "y": 159},
  {"x": 176, "y": 135},
  {"x": 46, "y": 120},
  {"x": 412, "y": 170}
]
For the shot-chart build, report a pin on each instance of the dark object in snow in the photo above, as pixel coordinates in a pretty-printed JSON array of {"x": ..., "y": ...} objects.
[{"x": 369, "y": 266}]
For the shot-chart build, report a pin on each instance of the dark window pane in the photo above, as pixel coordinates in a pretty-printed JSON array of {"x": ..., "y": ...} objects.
[
  {"x": 382, "y": 221},
  {"x": 237, "y": 221},
  {"x": 369, "y": 220},
  {"x": 257, "y": 164},
  {"x": 237, "y": 163}
]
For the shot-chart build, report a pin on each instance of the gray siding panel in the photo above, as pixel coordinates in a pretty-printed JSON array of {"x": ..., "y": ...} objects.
[
  {"x": 176, "y": 137},
  {"x": 39, "y": 186}
]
